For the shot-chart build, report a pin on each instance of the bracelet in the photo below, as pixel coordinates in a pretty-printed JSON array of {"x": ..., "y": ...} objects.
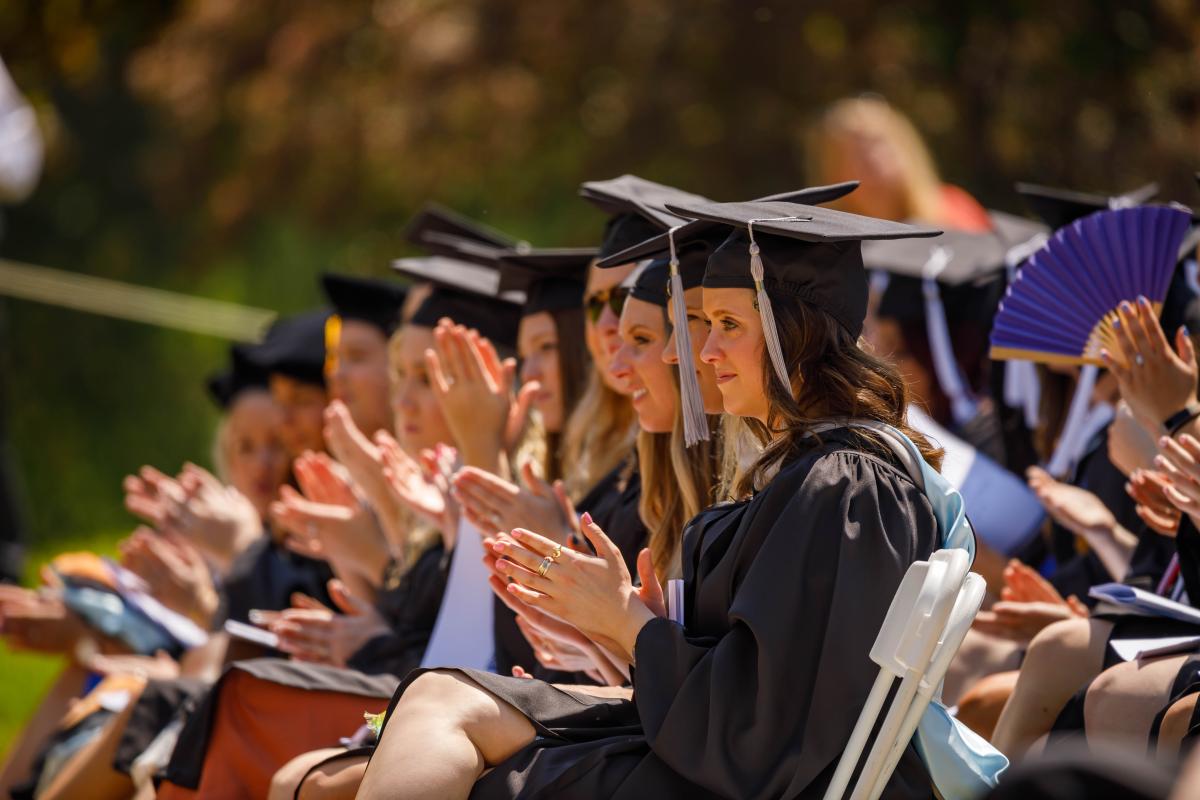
[{"x": 1180, "y": 418}]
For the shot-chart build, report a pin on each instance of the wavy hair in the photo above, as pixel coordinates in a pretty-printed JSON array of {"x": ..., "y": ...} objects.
[{"x": 832, "y": 378}]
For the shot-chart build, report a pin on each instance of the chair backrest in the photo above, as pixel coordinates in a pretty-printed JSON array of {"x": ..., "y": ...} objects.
[{"x": 919, "y": 619}]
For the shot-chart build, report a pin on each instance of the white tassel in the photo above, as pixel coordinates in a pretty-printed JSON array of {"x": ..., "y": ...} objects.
[
  {"x": 770, "y": 332},
  {"x": 1022, "y": 388},
  {"x": 695, "y": 423},
  {"x": 1071, "y": 441},
  {"x": 962, "y": 406}
]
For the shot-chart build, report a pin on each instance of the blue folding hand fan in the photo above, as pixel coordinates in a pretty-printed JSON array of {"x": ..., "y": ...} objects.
[{"x": 1061, "y": 306}]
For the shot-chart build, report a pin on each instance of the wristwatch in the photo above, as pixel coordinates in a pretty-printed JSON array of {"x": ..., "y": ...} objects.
[{"x": 1180, "y": 418}]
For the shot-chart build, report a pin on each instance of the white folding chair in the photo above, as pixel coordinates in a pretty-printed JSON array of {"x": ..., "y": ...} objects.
[{"x": 930, "y": 614}]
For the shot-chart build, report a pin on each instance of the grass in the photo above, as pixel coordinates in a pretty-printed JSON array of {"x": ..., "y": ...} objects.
[{"x": 27, "y": 676}]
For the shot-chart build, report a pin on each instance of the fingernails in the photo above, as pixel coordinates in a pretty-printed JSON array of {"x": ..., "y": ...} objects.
[
  {"x": 586, "y": 519},
  {"x": 1143, "y": 301},
  {"x": 1184, "y": 330},
  {"x": 1126, "y": 306},
  {"x": 1116, "y": 322},
  {"x": 1163, "y": 441},
  {"x": 517, "y": 533},
  {"x": 499, "y": 547},
  {"x": 1160, "y": 462},
  {"x": 257, "y": 617}
]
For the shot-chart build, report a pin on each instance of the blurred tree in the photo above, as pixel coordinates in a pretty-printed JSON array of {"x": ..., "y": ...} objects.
[{"x": 234, "y": 149}]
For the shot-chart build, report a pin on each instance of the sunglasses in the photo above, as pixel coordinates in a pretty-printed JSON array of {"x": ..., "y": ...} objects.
[{"x": 614, "y": 298}]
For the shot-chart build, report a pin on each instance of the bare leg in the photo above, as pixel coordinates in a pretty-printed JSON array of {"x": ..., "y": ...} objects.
[
  {"x": 1060, "y": 661},
  {"x": 337, "y": 780},
  {"x": 1174, "y": 726},
  {"x": 286, "y": 781},
  {"x": 979, "y": 656},
  {"x": 1123, "y": 700},
  {"x": 89, "y": 773},
  {"x": 980, "y": 707},
  {"x": 38, "y": 730},
  {"x": 442, "y": 735}
]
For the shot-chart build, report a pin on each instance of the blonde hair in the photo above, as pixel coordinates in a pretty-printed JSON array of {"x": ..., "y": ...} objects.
[
  {"x": 597, "y": 437},
  {"x": 419, "y": 535},
  {"x": 920, "y": 186}
]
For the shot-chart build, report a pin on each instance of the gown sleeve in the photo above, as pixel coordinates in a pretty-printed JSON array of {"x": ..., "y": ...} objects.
[{"x": 768, "y": 707}]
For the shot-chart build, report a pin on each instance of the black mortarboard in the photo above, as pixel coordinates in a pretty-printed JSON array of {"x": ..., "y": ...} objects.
[
  {"x": 808, "y": 251},
  {"x": 1059, "y": 207},
  {"x": 295, "y": 347},
  {"x": 438, "y": 219},
  {"x": 553, "y": 279},
  {"x": 954, "y": 258},
  {"x": 240, "y": 375},
  {"x": 550, "y": 278},
  {"x": 649, "y": 283},
  {"x": 377, "y": 302},
  {"x": 710, "y": 234},
  {"x": 468, "y": 294},
  {"x": 638, "y": 209}
]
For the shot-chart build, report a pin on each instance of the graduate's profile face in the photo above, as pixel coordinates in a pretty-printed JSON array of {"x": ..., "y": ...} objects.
[
  {"x": 603, "y": 335},
  {"x": 537, "y": 344},
  {"x": 252, "y": 448},
  {"x": 698, "y": 328},
  {"x": 418, "y": 416},
  {"x": 734, "y": 349},
  {"x": 360, "y": 377},
  {"x": 639, "y": 365},
  {"x": 302, "y": 406}
]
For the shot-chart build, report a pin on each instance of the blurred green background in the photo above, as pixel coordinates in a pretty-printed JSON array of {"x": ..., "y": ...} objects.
[{"x": 235, "y": 149}]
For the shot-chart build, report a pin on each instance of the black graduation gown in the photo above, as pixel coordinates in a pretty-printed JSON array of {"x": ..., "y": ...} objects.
[
  {"x": 613, "y": 504},
  {"x": 757, "y": 696},
  {"x": 411, "y": 610},
  {"x": 266, "y": 574}
]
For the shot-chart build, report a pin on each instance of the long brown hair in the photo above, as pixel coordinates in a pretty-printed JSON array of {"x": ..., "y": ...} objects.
[
  {"x": 598, "y": 436},
  {"x": 832, "y": 377},
  {"x": 678, "y": 482},
  {"x": 574, "y": 369}
]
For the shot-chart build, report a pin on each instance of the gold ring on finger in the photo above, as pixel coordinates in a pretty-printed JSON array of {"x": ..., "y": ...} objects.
[
  {"x": 544, "y": 567},
  {"x": 557, "y": 552}
]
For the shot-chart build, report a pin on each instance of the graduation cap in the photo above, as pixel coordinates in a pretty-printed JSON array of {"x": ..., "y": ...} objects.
[
  {"x": 687, "y": 246},
  {"x": 373, "y": 301},
  {"x": 951, "y": 278},
  {"x": 637, "y": 207},
  {"x": 808, "y": 251},
  {"x": 294, "y": 346},
  {"x": 649, "y": 281},
  {"x": 1058, "y": 207},
  {"x": 241, "y": 374},
  {"x": 710, "y": 234},
  {"x": 553, "y": 279},
  {"x": 436, "y": 219},
  {"x": 467, "y": 293},
  {"x": 550, "y": 279}
]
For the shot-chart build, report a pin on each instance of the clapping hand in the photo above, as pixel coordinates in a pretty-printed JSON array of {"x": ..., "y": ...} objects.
[
  {"x": 1155, "y": 380},
  {"x": 328, "y": 522},
  {"x": 494, "y": 504},
  {"x": 319, "y": 635},
  {"x": 174, "y": 571}
]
